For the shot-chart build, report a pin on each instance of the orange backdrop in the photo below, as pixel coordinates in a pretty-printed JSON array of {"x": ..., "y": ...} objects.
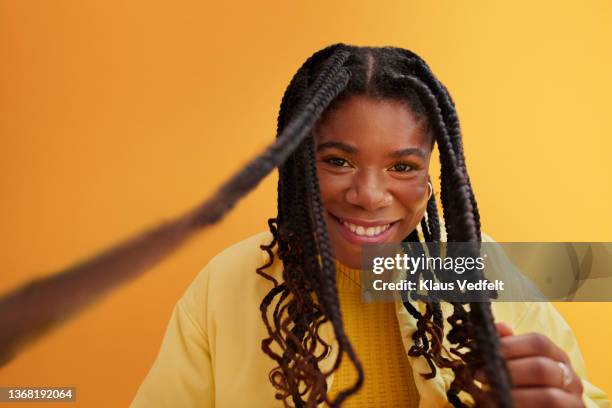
[{"x": 114, "y": 116}]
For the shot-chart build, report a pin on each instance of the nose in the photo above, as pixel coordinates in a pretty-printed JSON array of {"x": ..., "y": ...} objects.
[{"x": 368, "y": 191}]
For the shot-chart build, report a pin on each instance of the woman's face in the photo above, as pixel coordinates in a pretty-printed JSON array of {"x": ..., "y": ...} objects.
[{"x": 372, "y": 162}]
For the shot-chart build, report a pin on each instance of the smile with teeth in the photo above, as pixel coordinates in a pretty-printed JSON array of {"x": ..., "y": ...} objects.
[{"x": 366, "y": 231}]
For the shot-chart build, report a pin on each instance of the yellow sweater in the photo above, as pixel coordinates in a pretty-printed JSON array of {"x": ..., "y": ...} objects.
[
  {"x": 373, "y": 330},
  {"x": 211, "y": 353}
]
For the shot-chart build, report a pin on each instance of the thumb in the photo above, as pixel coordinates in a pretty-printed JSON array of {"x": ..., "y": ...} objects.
[{"x": 503, "y": 329}]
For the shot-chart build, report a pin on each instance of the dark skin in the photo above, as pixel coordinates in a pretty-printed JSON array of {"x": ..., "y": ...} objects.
[{"x": 373, "y": 164}]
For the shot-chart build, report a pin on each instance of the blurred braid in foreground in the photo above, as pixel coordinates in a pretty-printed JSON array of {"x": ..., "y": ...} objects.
[{"x": 307, "y": 297}]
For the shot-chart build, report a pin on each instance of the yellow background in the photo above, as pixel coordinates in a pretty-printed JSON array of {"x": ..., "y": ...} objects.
[{"x": 114, "y": 116}]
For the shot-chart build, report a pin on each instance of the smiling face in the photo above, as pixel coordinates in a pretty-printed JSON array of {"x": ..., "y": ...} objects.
[{"x": 372, "y": 162}]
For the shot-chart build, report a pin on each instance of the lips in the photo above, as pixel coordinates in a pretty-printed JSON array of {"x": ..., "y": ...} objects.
[{"x": 364, "y": 231}]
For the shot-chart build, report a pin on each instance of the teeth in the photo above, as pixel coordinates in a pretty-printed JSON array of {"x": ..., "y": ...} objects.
[{"x": 367, "y": 232}]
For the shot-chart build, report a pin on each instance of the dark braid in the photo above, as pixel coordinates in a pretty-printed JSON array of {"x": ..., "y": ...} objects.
[
  {"x": 465, "y": 229},
  {"x": 486, "y": 343},
  {"x": 432, "y": 219},
  {"x": 450, "y": 118},
  {"x": 328, "y": 290},
  {"x": 299, "y": 247},
  {"x": 324, "y": 81}
]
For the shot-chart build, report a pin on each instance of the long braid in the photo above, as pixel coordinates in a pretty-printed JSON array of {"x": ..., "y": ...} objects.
[
  {"x": 329, "y": 292},
  {"x": 301, "y": 246},
  {"x": 480, "y": 312},
  {"x": 450, "y": 118},
  {"x": 433, "y": 222},
  {"x": 486, "y": 341},
  {"x": 287, "y": 141},
  {"x": 291, "y": 315},
  {"x": 326, "y": 291}
]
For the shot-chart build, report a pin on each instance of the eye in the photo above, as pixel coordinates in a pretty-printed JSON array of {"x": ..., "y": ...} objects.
[
  {"x": 402, "y": 167},
  {"x": 337, "y": 161}
]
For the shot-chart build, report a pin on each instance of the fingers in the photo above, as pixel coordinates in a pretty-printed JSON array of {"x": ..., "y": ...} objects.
[
  {"x": 503, "y": 329},
  {"x": 541, "y": 372},
  {"x": 538, "y": 397},
  {"x": 533, "y": 362},
  {"x": 529, "y": 345}
]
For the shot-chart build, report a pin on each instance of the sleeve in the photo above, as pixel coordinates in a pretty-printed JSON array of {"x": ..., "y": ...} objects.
[
  {"x": 182, "y": 374},
  {"x": 542, "y": 317}
]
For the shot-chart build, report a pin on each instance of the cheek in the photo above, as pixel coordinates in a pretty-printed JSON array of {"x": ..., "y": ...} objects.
[
  {"x": 413, "y": 201},
  {"x": 412, "y": 196},
  {"x": 331, "y": 187}
]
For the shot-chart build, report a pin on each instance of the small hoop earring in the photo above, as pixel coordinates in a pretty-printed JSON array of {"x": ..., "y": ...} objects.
[{"x": 430, "y": 190}]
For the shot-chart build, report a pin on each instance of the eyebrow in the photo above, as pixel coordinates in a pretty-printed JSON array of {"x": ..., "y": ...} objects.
[
  {"x": 337, "y": 145},
  {"x": 409, "y": 151}
]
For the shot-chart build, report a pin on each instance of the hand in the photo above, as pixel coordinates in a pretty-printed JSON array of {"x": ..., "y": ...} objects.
[{"x": 541, "y": 373}]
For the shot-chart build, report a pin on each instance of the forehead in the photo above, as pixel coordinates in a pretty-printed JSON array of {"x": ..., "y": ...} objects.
[{"x": 373, "y": 124}]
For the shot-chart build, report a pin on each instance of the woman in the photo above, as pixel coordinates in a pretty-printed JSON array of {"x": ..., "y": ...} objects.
[{"x": 278, "y": 337}]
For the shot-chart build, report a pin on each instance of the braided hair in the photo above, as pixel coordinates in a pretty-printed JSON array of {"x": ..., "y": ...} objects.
[{"x": 294, "y": 311}]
